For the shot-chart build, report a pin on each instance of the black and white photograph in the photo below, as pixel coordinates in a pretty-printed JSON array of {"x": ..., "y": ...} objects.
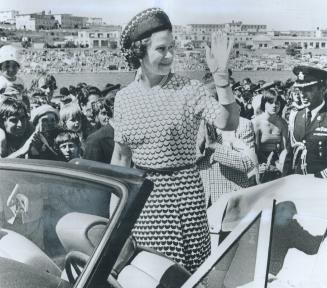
[{"x": 161, "y": 143}]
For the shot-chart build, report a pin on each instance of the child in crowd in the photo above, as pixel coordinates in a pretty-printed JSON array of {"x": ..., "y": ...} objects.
[
  {"x": 45, "y": 120},
  {"x": 15, "y": 131},
  {"x": 9, "y": 65},
  {"x": 68, "y": 144},
  {"x": 71, "y": 118}
]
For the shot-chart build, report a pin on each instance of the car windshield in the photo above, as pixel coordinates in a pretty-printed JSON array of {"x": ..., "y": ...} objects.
[
  {"x": 44, "y": 217},
  {"x": 237, "y": 265}
]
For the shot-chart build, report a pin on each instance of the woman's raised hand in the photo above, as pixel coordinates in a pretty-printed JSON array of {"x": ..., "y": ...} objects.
[{"x": 218, "y": 55}]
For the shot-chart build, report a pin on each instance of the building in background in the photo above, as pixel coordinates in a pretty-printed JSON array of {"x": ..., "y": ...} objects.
[
  {"x": 100, "y": 37},
  {"x": 94, "y": 21},
  {"x": 8, "y": 17},
  {"x": 68, "y": 21},
  {"x": 35, "y": 21},
  {"x": 199, "y": 33}
]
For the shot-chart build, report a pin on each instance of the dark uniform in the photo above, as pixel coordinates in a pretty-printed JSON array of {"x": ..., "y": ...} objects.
[{"x": 308, "y": 133}]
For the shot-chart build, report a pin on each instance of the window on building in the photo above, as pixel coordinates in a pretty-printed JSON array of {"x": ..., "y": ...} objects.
[
  {"x": 287, "y": 43},
  {"x": 323, "y": 44},
  {"x": 311, "y": 44},
  {"x": 317, "y": 45},
  {"x": 265, "y": 45},
  {"x": 260, "y": 45}
]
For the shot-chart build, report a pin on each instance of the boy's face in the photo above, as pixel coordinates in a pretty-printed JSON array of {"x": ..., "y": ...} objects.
[
  {"x": 15, "y": 125},
  {"x": 9, "y": 69},
  {"x": 70, "y": 150},
  {"x": 74, "y": 124},
  {"x": 48, "y": 122}
]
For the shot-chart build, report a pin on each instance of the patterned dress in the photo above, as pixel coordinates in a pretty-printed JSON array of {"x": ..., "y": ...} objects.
[{"x": 160, "y": 126}]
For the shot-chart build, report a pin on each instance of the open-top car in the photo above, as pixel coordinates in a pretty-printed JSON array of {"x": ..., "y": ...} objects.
[{"x": 56, "y": 231}]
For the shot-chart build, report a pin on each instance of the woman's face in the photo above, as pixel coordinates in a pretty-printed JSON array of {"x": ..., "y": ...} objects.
[
  {"x": 9, "y": 69},
  {"x": 15, "y": 125},
  {"x": 74, "y": 124},
  {"x": 160, "y": 53},
  {"x": 272, "y": 106}
]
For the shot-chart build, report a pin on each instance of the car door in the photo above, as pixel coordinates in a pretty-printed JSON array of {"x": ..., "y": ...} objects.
[
  {"x": 43, "y": 194},
  {"x": 241, "y": 258}
]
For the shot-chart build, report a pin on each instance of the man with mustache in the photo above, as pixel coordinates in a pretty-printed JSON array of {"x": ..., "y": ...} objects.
[{"x": 308, "y": 127}]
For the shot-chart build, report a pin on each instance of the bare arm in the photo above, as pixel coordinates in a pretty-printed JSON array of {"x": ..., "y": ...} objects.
[{"x": 122, "y": 156}]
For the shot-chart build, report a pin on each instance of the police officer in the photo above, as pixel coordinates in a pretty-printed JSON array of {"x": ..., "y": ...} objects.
[{"x": 308, "y": 126}]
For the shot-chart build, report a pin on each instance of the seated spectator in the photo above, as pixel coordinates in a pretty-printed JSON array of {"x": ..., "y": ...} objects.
[
  {"x": 16, "y": 135},
  {"x": 68, "y": 145}
]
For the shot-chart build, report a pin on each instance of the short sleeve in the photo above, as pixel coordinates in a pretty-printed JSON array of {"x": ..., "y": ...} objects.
[
  {"x": 205, "y": 105},
  {"x": 118, "y": 119}
]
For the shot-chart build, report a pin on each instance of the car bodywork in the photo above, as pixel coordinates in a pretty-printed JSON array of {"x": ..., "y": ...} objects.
[
  {"x": 129, "y": 185},
  {"x": 272, "y": 231},
  {"x": 276, "y": 236}
]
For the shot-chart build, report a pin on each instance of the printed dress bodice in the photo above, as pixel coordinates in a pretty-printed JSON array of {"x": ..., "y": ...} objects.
[{"x": 160, "y": 124}]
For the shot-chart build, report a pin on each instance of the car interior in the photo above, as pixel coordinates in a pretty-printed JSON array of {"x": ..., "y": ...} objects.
[{"x": 71, "y": 229}]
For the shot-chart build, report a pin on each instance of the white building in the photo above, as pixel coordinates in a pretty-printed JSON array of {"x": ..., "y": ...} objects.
[
  {"x": 105, "y": 37},
  {"x": 243, "y": 33},
  {"x": 35, "y": 21},
  {"x": 94, "y": 21},
  {"x": 8, "y": 17}
]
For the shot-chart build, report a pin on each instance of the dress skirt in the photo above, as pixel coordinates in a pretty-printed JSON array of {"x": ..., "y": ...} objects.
[{"x": 174, "y": 220}]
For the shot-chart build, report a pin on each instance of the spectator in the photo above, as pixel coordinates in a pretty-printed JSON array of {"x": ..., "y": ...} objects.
[
  {"x": 68, "y": 144},
  {"x": 9, "y": 65},
  {"x": 271, "y": 134},
  {"x": 15, "y": 132},
  {"x": 45, "y": 120}
]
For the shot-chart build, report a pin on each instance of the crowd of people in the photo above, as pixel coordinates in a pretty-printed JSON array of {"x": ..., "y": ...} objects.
[
  {"x": 102, "y": 60},
  {"x": 196, "y": 139},
  {"x": 69, "y": 60}
]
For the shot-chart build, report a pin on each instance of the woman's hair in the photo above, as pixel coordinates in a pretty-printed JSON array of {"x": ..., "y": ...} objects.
[
  {"x": 85, "y": 92},
  {"x": 71, "y": 110},
  {"x": 11, "y": 107},
  {"x": 65, "y": 136},
  {"x": 103, "y": 103},
  {"x": 137, "y": 52},
  {"x": 269, "y": 96}
]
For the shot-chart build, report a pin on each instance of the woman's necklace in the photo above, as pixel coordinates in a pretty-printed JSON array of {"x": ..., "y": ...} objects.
[{"x": 163, "y": 80}]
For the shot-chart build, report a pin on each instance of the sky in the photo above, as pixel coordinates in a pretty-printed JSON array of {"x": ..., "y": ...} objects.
[{"x": 277, "y": 14}]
